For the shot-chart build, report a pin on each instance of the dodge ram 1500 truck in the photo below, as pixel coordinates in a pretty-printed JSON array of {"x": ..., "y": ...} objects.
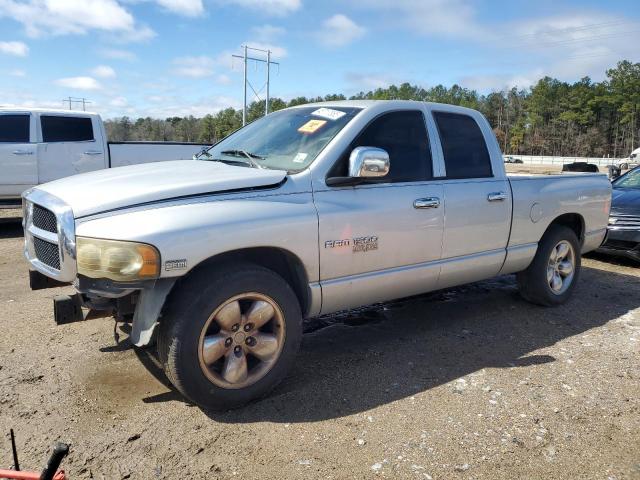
[
  {"x": 308, "y": 211},
  {"x": 38, "y": 146}
]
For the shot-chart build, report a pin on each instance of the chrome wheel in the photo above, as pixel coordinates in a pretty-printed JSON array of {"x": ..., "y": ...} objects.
[
  {"x": 241, "y": 340},
  {"x": 561, "y": 267}
]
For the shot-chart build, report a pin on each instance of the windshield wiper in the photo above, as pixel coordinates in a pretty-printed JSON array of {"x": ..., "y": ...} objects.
[
  {"x": 243, "y": 153},
  {"x": 204, "y": 151}
]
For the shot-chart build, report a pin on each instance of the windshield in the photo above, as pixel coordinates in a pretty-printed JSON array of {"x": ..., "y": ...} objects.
[
  {"x": 285, "y": 140},
  {"x": 630, "y": 180}
]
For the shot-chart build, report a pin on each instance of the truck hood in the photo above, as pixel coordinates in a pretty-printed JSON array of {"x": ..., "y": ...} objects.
[
  {"x": 103, "y": 190},
  {"x": 625, "y": 201}
]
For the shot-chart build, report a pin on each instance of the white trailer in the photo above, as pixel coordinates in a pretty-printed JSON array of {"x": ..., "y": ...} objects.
[{"x": 37, "y": 146}]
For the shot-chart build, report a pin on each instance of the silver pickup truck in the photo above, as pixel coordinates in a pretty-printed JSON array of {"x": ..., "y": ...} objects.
[{"x": 308, "y": 211}]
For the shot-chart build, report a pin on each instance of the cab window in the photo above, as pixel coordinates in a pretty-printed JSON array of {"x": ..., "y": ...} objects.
[
  {"x": 66, "y": 129},
  {"x": 14, "y": 128},
  {"x": 403, "y": 135}
]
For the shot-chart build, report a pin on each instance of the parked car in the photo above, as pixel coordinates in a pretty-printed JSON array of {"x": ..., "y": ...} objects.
[
  {"x": 308, "y": 211},
  {"x": 37, "y": 146},
  {"x": 509, "y": 159},
  {"x": 580, "y": 167},
  {"x": 623, "y": 237}
]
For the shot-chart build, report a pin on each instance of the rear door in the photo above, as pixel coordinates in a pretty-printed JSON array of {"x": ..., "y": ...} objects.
[
  {"x": 478, "y": 201},
  {"x": 18, "y": 154},
  {"x": 71, "y": 144}
]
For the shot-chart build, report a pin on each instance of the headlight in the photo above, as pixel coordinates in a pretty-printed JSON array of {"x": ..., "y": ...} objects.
[{"x": 117, "y": 260}]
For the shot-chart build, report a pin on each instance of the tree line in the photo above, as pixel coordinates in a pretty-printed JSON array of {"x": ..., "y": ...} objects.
[{"x": 585, "y": 118}]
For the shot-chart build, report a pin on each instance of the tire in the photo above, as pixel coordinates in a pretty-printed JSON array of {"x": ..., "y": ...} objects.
[
  {"x": 536, "y": 284},
  {"x": 188, "y": 327},
  {"x": 624, "y": 166}
]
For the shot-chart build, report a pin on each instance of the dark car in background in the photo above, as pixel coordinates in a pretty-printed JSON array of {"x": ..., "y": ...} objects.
[{"x": 623, "y": 236}]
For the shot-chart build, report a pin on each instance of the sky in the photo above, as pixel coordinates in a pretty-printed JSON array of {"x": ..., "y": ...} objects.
[{"x": 165, "y": 58}]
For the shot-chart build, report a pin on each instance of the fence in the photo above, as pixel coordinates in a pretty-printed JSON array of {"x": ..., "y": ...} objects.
[{"x": 552, "y": 160}]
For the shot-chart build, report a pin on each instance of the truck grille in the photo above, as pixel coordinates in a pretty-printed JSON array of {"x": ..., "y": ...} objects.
[
  {"x": 44, "y": 219},
  {"x": 624, "y": 222},
  {"x": 47, "y": 252}
]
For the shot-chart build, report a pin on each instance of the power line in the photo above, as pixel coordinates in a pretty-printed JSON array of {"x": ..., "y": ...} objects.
[{"x": 573, "y": 40}]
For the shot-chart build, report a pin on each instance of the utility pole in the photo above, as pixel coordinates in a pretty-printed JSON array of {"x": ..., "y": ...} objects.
[
  {"x": 72, "y": 100},
  {"x": 247, "y": 83},
  {"x": 244, "y": 102},
  {"x": 266, "y": 103}
]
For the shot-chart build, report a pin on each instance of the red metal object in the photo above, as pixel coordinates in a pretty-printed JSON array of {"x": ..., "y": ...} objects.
[{"x": 22, "y": 475}]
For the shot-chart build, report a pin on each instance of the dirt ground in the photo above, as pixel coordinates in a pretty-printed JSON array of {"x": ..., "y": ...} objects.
[{"x": 471, "y": 382}]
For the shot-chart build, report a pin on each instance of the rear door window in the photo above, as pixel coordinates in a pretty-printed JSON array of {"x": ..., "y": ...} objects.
[
  {"x": 14, "y": 128},
  {"x": 66, "y": 129},
  {"x": 465, "y": 151}
]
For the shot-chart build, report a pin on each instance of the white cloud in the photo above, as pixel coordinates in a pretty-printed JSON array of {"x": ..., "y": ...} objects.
[
  {"x": 267, "y": 33},
  {"x": 496, "y": 82},
  {"x": 188, "y": 8},
  {"x": 194, "y": 67},
  {"x": 339, "y": 30},
  {"x": 175, "y": 106},
  {"x": 116, "y": 54},
  {"x": 19, "y": 49},
  {"x": 277, "y": 52},
  {"x": 448, "y": 18},
  {"x": 223, "y": 79},
  {"x": 369, "y": 81},
  {"x": 570, "y": 46},
  {"x": 103, "y": 71},
  {"x": 79, "y": 83},
  {"x": 276, "y": 8},
  {"x": 118, "y": 102},
  {"x": 18, "y": 73},
  {"x": 64, "y": 17},
  {"x": 141, "y": 33}
]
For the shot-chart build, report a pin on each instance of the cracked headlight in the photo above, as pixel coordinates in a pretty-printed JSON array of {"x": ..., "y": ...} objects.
[{"x": 117, "y": 260}]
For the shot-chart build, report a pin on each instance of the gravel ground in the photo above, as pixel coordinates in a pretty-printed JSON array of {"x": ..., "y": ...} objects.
[{"x": 471, "y": 382}]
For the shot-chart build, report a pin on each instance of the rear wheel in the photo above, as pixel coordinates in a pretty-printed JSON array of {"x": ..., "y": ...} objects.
[
  {"x": 230, "y": 335},
  {"x": 554, "y": 271}
]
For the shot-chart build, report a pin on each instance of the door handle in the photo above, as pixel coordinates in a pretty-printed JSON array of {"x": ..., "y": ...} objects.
[
  {"x": 496, "y": 196},
  {"x": 22, "y": 152},
  {"x": 93, "y": 152},
  {"x": 429, "y": 202}
]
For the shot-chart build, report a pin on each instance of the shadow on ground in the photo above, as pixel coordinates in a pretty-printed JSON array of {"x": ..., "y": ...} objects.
[
  {"x": 10, "y": 227},
  {"x": 354, "y": 362}
]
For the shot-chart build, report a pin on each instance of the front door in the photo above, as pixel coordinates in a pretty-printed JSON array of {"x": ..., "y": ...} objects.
[{"x": 381, "y": 241}]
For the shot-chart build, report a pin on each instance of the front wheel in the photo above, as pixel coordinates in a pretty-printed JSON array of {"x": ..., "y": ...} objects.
[
  {"x": 230, "y": 335},
  {"x": 554, "y": 271}
]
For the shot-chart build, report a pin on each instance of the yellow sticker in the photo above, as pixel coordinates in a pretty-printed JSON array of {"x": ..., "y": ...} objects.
[{"x": 311, "y": 126}]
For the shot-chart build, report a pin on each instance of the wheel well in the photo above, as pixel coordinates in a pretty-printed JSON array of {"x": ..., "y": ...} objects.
[
  {"x": 279, "y": 260},
  {"x": 574, "y": 221}
]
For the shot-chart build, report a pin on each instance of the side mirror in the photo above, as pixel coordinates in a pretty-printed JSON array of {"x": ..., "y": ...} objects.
[{"x": 367, "y": 162}]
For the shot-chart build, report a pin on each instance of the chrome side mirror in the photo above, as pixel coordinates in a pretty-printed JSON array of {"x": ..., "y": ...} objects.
[{"x": 367, "y": 162}]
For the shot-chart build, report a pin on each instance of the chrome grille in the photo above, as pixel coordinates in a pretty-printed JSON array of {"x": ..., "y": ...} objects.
[
  {"x": 44, "y": 219},
  {"x": 47, "y": 252},
  {"x": 49, "y": 235},
  {"x": 624, "y": 222}
]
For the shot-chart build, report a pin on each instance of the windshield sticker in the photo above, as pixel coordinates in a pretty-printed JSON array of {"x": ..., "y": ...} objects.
[
  {"x": 311, "y": 126},
  {"x": 300, "y": 157},
  {"x": 328, "y": 113}
]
